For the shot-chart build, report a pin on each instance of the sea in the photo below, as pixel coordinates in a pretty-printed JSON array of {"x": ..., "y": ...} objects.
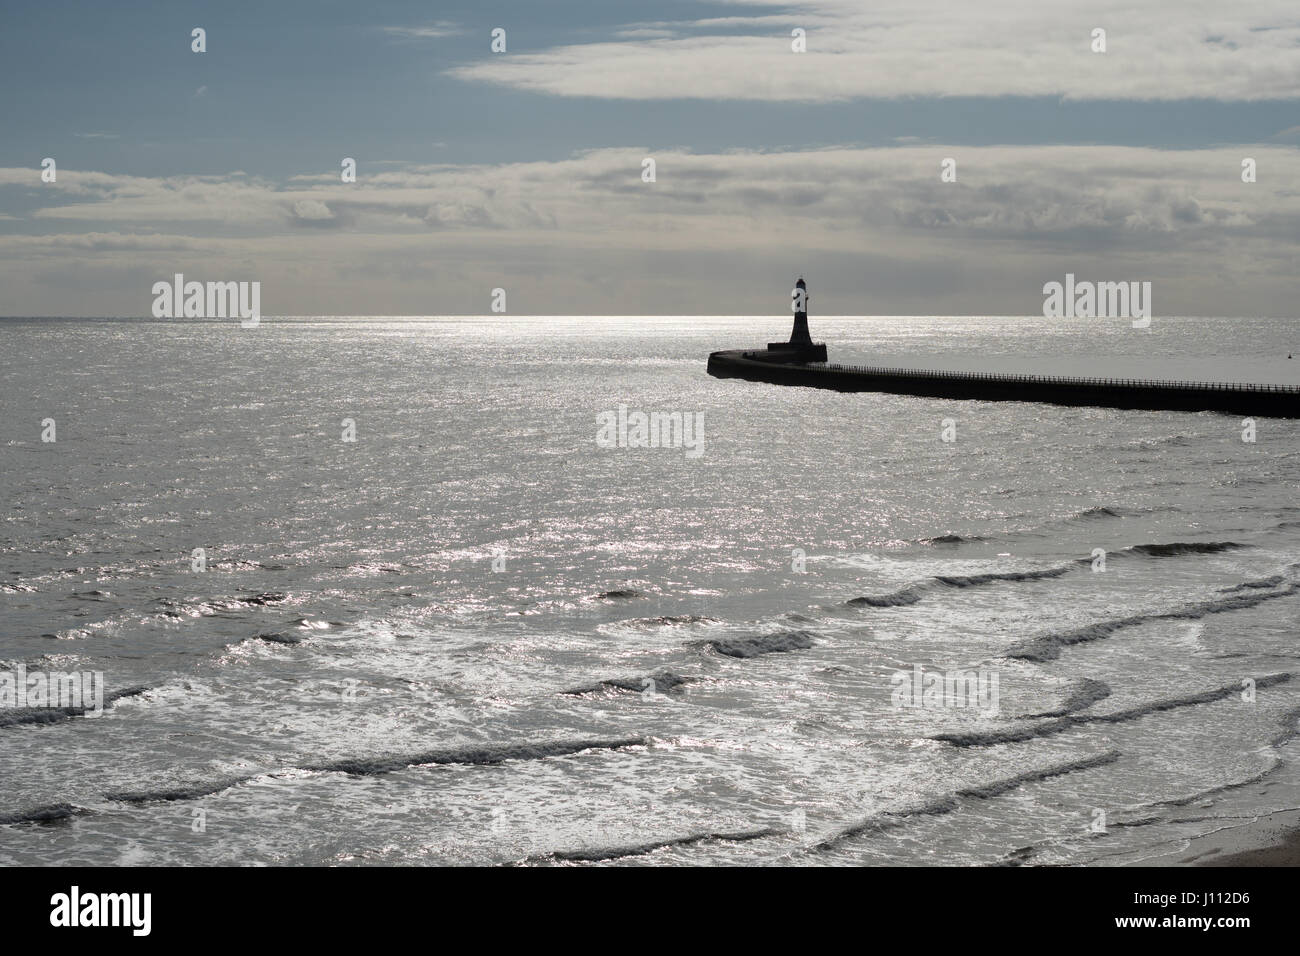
[{"x": 365, "y": 591}]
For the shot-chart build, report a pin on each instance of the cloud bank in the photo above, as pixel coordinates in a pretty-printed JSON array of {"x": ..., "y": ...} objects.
[
  {"x": 715, "y": 234},
  {"x": 898, "y": 49}
]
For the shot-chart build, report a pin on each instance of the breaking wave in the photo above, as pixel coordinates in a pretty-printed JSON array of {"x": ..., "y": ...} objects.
[
  {"x": 755, "y": 646},
  {"x": 1062, "y": 724},
  {"x": 953, "y": 539},
  {"x": 598, "y": 855},
  {"x": 1096, "y": 512},
  {"x": 1272, "y": 582},
  {"x": 485, "y": 755},
  {"x": 1049, "y": 646},
  {"x": 277, "y": 637},
  {"x": 908, "y": 595},
  {"x": 1085, "y": 695},
  {"x": 1185, "y": 547},
  {"x": 42, "y": 815},
  {"x": 952, "y": 801},
  {"x": 668, "y": 620},
  {"x": 177, "y": 793},
  {"x": 661, "y": 682},
  {"x": 914, "y": 592},
  {"x": 49, "y": 715}
]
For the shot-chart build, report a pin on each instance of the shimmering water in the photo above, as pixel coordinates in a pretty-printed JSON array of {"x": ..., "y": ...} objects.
[{"x": 351, "y": 682}]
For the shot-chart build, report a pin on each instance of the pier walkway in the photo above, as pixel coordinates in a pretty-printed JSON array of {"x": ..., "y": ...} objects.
[{"x": 1274, "y": 401}]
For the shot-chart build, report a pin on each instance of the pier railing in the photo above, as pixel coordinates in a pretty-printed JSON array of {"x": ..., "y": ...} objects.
[
  {"x": 1245, "y": 398},
  {"x": 1056, "y": 379}
]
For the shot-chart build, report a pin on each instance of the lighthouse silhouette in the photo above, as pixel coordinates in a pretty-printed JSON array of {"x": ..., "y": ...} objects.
[
  {"x": 799, "y": 300},
  {"x": 801, "y": 347}
]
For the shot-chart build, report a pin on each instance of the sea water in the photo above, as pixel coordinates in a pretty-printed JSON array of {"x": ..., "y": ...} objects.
[{"x": 372, "y": 591}]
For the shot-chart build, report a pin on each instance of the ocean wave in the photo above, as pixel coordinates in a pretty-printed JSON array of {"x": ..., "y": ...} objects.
[
  {"x": 975, "y": 580},
  {"x": 244, "y": 564},
  {"x": 1102, "y": 512},
  {"x": 754, "y": 646},
  {"x": 277, "y": 637},
  {"x": 48, "y": 715},
  {"x": 663, "y": 682},
  {"x": 184, "y": 609},
  {"x": 266, "y": 597},
  {"x": 952, "y": 801},
  {"x": 953, "y": 539},
  {"x": 1062, "y": 724},
  {"x": 1184, "y": 547},
  {"x": 1087, "y": 693},
  {"x": 1272, "y": 582},
  {"x": 193, "y": 792},
  {"x": 1048, "y": 647},
  {"x": 914, "y": 592},
  {"x": 900, "y": 598},
  {"x": 54, "y": 813},
  {"x": 482, "y": 755},
  {"x": 1018, "y": 857},
  {"x": 598, "y": 855},
  {"x": 1290, "y": 723},
  {"x": 667, "y": 620},
  {"x": 1098, "y": 511}
]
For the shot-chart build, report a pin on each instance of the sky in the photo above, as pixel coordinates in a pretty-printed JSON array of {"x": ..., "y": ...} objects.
[{"x": 523, "y": 169}]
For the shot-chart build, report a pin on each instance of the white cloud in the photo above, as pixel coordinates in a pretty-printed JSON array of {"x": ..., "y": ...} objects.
[
  {"x": 312, "y": 209},
  {"x": 586, "y": 235},
  {"x": 889, "y": 49},
  {"x": 433, "y": 31}
]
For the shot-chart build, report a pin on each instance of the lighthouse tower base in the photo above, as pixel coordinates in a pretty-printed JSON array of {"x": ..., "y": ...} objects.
[
  {"x": 801, "y": 348},
  {"x": 792, "y": 352}
]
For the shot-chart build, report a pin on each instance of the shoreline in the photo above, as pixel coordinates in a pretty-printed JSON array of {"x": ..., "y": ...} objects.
[
  {"x": 1270, "y": 840},
  {"x": 1267, "y": 838}
]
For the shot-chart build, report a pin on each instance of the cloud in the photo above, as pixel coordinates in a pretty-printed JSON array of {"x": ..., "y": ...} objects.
[
  {"x": 640, "y": 33},
  {"x": 1025, "y": 193},
  {"x": 312, "y": 209},
  {"x": 892, "y": 49},
  {"x": 433, "y": 31},
  {"x": 102, "y": 242},
  {"x": 586, "y": 235}
]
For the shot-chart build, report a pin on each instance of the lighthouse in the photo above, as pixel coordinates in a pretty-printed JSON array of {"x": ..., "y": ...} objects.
[
  {"x": 801, "y": 347},
  {"x": 799, "y": 336}
]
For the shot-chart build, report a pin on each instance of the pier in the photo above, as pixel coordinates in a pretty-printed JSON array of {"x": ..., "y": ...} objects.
[
  {"x": 800, "y": 361},
  {"x": 787, "y": 368}
]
